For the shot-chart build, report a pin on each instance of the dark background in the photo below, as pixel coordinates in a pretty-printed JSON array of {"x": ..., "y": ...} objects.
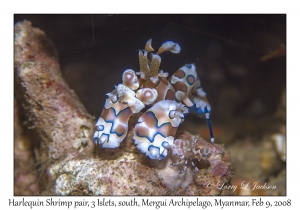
[{"x": 245, "y": 90}]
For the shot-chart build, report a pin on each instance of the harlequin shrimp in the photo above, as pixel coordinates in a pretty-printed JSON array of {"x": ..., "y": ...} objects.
[
  {"x": 165, "y": 103},
  {"x": 188, "y": 150}
]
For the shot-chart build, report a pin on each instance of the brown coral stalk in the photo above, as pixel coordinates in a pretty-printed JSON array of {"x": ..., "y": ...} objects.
[{"x": 63, "y": 124}]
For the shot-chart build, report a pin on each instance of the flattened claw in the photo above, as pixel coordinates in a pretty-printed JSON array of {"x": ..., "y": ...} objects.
[
  {"x": 169, "y": 46},
  {"x": 148, "y": 46},
  {"x": 112, "y": 125},
  {"x": 154, "y": 133}
]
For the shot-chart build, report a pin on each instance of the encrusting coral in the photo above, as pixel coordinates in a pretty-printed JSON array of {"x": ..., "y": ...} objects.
[{"x": 69, "y": 162}]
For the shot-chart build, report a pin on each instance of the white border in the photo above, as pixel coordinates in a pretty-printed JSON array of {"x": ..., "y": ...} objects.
[{"x": 154, "y": 6}]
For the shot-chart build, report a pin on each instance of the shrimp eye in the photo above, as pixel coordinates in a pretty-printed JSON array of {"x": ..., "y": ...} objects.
[{"x": 149, "y": 56}]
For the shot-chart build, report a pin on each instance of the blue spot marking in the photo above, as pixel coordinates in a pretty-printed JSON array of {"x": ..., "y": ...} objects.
[
  {"x": 182, "y": 72},
  {"x": 151, "y": 139},
  {"x": 96, "y": 140},
  {"x": 165, "y": 145},
  {"x": 188, "y": 65},
  {"x": 187, "y": 79},
  {"x": 104, "y": 134},
  {"x": 153, "y": 148},
  {"x": 148, "y": 137},
  {"x": 100, "y": 128},
  {"x": 112, "y": 130}
]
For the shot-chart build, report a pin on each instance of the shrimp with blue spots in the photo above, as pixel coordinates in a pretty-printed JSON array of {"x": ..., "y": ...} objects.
[
  {"x": 164, "y": 103},
  {"x": 189, "y": 90}
]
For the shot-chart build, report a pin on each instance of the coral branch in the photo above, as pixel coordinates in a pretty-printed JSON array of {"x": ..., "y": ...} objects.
[{"x": 62, "y": 122}]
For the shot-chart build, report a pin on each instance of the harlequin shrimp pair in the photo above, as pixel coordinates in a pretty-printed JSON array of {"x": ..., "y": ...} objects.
[{"x": 165, "y": 103}]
